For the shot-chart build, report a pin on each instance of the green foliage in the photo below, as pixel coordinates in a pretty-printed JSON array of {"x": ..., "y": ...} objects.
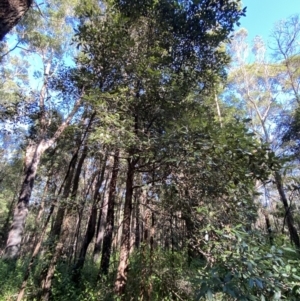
[
  {"x": 150, "y": 70},
  {"x": 245, "y": 267},
  {"x": 11, "y": 274}
]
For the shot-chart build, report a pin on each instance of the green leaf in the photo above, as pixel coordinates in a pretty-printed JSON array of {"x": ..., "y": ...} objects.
[{"x": 209, "y": 295}]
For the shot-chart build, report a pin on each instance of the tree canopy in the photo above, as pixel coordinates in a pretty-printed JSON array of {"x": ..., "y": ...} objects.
[{"x": 144, "y": 156}]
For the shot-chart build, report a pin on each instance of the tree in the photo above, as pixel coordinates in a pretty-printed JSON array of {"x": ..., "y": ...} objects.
[
  {"x": 11, "y": 11},
  {"x": 153, "y": 58},
  {"x": 258, "y": 86},
  {"x": 41, "y": 43}
]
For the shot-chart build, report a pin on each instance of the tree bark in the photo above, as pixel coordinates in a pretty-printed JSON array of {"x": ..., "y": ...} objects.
[
  {"x": 32, "y": 160},
  {"x": 59, "y": 232},
  {"x": 109, "y": 228},
  {"x": 11, "y": 11},
  {"x": 288, "y": 214},
  {"x": 121, "y": 279},
  {"x": 90, "y": 231},
  {"x": 102, "y": 218},
  {"x": 34, "y": 152}
]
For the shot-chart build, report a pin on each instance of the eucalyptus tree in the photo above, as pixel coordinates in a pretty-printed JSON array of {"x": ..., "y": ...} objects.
[
  {"x": 260, "y": 87},
  {"x": 40, "y": 41},
  {"x": 144, "y": 61},
  {"x": 285, "y": 39}
]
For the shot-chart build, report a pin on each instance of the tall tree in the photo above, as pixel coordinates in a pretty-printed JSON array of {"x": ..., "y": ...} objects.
[
  {"x": 258, "y": 85},
  {"x": 154, "y": 54},
  {"x": 40, "y": 43}
]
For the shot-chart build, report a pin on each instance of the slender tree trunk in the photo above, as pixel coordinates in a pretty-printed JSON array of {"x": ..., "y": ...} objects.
[
  {"x": 137, "y": 223},
  {"x": 64, "y": 220},
  {"x": 121, "y": 279},
  {"x": 116, "y": 242},
  {"x": 60, "y": 232},
  {"x": 73, "y": 196},
  {"x": 5, "y": 228},
  {"x": 32, "y": 160},
  {"x": 90, "y": 231},
  {"x": 102, "y": 219},
  {"x": 11, "y": 11},
  {"x": 34, "y": 152},
  {"x": 58, "y": 251},
  {"x": 56, "y": 229},
  {"x": 269, "y": 228},
  {"x": 288, "y": 214},
  {"x": 133, "y": 227},
  {"x": 100, "y": 223},
  {"x": 42, "y": 204},
  {"x": 34, "y": 255},
  {"x": 109, "y": 228}
]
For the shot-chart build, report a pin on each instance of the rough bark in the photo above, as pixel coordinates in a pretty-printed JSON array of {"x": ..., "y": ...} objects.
[
  {"x": 102, "y": 219},
  {"x": 56, "y": 229},
  {"x": 108, "y": 233},
  {"x": 90, "y": 231},
  {"x": 11, "y": 11},
  {"x": 121, "y": 279},
  {"x": 59, "y": 232},
  {"x": 137, "y": 223},
  {"x": 288, "y": 214},
  {"x": 34, "y": 152},
  {"x": 32, "y": 160}
]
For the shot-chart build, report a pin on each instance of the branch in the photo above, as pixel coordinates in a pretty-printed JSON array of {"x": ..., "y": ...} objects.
[
  {"x": 16, "y": 46},
  {"x": 62, "y": 127}
]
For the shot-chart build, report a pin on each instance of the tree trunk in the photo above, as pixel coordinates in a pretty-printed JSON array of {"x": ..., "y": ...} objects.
[
  {"x": 11, "y": 11},
  {"x": 55, "y": 231},
  {"x": 59, "y": 232},
  {"x": 137, "y": 223},
  {"x": 269, "y": 228},
  {"x": 34, "y": 255},
  {"x": 73, "y": 196},
  {"x": 288, "y": 214},
  {"x": 102, "y": 219},
  {"x": 34, "y": 152},
  {"x": 109, "y": 228},
  {"x": 121, "y": 279},
  {"x": 90, "y": 231},
  {"x": 32, "y": 160},
  {"x": 46, "y": 287}
]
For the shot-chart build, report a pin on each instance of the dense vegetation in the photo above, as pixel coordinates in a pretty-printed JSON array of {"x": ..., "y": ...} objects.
[{"x": 147, "y": 154}]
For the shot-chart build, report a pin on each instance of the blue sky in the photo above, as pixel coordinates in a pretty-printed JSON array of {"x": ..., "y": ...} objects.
[{"x": 262, "y": 14}]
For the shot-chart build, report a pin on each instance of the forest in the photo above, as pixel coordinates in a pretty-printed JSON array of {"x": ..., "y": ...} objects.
[{"x": 148, "y": 152}]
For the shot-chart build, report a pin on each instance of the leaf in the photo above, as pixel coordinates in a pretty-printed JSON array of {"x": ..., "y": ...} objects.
[
  {"x": 296, "y": 277},
  {"x": 277, "y": 295},
  {"x": 209, "y": 295},
  {"x": 251, "y": 283},
  {"x": 289, "y": 250},
  {"x": 259, "y": 283}
]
